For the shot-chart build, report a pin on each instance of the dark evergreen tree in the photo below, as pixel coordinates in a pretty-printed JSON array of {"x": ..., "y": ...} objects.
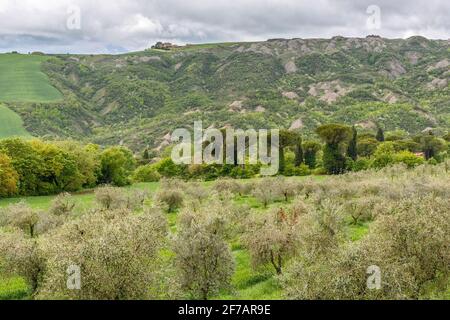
[
  {"x": 298, "y": 151},
  {"x": 352, "y": 150},
  {"x": 310, "y": 149},
  {"x": 380, "y": 135},
  {"x": 333, "y": 135}
]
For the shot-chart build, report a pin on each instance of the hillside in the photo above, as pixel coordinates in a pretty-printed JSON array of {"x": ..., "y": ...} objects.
[
  {"x": 21, "y": 79},
  {"x": 11, "y": 124},
  {"x": 138, "y": 98}
]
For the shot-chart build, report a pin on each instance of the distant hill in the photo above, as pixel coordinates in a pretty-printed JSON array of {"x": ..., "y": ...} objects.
[{"x": 138, "y": 98}]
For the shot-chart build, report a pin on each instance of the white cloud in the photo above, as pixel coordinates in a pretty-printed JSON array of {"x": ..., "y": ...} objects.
[{"x": 120, "y": 25}]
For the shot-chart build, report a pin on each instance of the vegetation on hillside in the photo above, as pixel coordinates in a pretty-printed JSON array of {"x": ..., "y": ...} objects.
[{"x": 138, "y": 98}]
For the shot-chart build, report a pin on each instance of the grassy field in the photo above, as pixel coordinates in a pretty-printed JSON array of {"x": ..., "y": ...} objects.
[
  {"x": 11, "y": 125},
  {"x": 21, "y": 79}
]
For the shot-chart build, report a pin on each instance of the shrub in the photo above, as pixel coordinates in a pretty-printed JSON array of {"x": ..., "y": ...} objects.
[
  {"x": 117, "y": 164},
  {"x": 62, "y": 205},
  {"x": 408, "y": 158},
  {"x": 171, "y": 198},
  {"x": 265, "y": 191},
  {"x": 360, "y": 164},
  {"x": 147, "y": 173},
  {"x": 383, "y": 156},
  {"x": 272, "y": 239}
]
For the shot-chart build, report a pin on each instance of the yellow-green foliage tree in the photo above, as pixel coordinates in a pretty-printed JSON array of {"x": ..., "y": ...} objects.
[
  {"x": 117, "y": 164},
  {"x": 8, "y": 177}
]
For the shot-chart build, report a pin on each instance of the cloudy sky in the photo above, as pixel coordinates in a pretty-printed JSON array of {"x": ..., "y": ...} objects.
[{"x": 112, "y": 26}]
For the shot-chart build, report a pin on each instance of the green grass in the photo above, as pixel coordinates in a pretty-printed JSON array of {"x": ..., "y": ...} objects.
[
  {"x": 11, "y": 125},
  {"x": 250, "y": 284},
  {"x": 13, "y": 289},
  {"x": 21, "y": 79}
]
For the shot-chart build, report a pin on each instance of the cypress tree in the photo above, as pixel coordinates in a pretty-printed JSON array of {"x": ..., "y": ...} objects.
[
  {"x": 380, "y": 135},
  {"x": 352, "y": 150}
]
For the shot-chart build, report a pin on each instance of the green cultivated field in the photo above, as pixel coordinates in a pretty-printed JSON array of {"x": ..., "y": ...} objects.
[
  {"x": 11, "y": 124},
  {"x": 21, "y": 79}
]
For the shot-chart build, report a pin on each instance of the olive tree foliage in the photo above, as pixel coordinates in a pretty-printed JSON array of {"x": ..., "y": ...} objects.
[
  {"x": 169, "y": 199},
  {"x": 196, "y": 191},
  {"x": 62, "y": 205},
  {"x": 31, "y": 222},
  {"x": 227, "y": 185},
  {"x": 273, "y": 238},
  {"x": 266, "y": 191},
  {"x": 409, "y": 246},
  {"x": 22, "y": 217},
  {"x": 203, "y": 257},
  {"x": 22, "y": 256},
  {"x": 286, "y": 187},
  {"x": 115, "y": 251},
  {"x": 108, "y": 197}
]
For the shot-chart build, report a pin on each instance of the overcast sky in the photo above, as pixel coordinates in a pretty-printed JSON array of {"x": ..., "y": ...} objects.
[{"x": 112, "y": 26}]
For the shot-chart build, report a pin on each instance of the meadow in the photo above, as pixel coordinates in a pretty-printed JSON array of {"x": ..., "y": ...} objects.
[
  {"x": 326, "y": 230},
  {"x": 21, "y": 79},
  {"x": 11, "y": 125}
]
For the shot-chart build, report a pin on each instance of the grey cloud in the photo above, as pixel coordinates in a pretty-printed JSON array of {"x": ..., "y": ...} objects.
[{"x": 125, "y": 25}]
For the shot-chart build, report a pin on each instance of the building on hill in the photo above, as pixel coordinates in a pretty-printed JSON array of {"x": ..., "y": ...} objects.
[{"x": 165, "y": 46}]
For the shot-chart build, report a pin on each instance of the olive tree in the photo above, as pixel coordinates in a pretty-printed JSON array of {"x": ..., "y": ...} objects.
[
  {"x": 108, "y": 197},
  {"x": 62, "y": 205},
  {"x": 171, "y": 199},
  {"x": 272, "y": 238},
  {"x": 21, "y": 216},
  {"x": 21, "y": 256},
  {"x": 203, "y": 257},
  {"x": 408, "y": 248},
  {"x": 114, "y": 252},
  {"x": 266, "y": 191}
]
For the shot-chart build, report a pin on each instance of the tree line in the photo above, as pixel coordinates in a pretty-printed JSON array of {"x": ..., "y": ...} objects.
[{"x": 36, "y": 167}]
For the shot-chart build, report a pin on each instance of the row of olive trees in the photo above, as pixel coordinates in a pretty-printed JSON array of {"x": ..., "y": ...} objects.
[
  {"x": 118, "y": 247},
  {"x": 124, "y": 247}
]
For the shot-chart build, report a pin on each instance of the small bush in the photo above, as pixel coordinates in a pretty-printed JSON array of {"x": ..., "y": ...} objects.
[
  {"x": 108, "y": 197},
  {"x": 62, "y": 205},
  {"x": 147, "y": 173},
  {"x": 171, "y": 198}
]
